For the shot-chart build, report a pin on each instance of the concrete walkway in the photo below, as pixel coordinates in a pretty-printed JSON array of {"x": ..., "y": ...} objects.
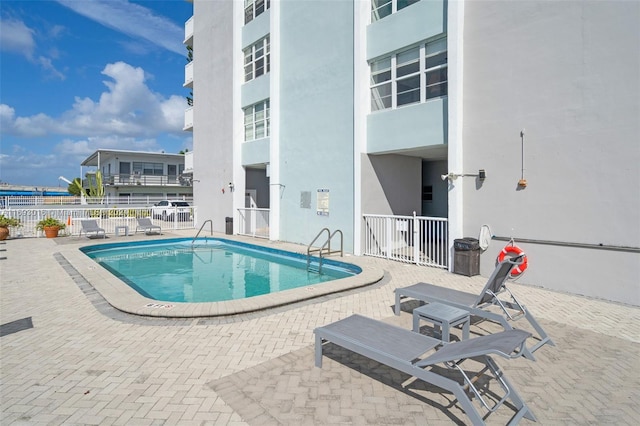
[{"x": 67, "y": 357}]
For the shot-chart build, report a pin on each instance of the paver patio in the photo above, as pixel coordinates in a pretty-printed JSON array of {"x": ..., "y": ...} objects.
[{"x": 79, "y": 361}]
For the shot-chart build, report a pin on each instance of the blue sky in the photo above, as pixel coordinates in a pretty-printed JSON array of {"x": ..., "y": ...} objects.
[{"x": 79, "y": 75}]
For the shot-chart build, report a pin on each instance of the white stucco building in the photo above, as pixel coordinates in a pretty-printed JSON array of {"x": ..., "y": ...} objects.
[
  {"x": 141, "y": 173},
  {"x": 323, "y": 111}
]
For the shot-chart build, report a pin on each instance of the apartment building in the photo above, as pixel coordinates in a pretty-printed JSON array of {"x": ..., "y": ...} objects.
[
  {"x": 140, "y": 173},
  {"x": 522, "y": 116}
]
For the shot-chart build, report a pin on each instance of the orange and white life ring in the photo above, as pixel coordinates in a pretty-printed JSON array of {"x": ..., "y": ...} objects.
[{"x": 515, "y": 251}]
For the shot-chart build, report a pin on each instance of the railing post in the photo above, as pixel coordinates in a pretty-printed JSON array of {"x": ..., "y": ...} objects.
[
  {"x": 389, "y": 242},
  {"x": 416, "y": 239}
]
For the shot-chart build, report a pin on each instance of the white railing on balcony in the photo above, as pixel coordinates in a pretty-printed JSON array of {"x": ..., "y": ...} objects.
[
  {"x": 19, "y": 201},
  {"x": 188, "y": 75},
  {"x": 412, "y": 239},
  {"x": 107, "y": 218},
  {"x": 253, "y": 222},
  {"x": 188, "y": 119},
  {"x": 188, "y": 31},
  {"x": 145, "y": 180}
]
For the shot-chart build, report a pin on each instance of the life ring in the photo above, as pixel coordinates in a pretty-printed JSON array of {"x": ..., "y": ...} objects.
[{"x": 515, "y": 251}]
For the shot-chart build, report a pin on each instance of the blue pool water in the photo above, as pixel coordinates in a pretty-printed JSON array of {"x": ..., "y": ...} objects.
[{"x": 211, "y": 269}]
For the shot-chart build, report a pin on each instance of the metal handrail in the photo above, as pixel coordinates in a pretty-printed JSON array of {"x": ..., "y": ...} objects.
[
  {"x": 327, "y": 244},
  {"x": 203, "y": 224}
]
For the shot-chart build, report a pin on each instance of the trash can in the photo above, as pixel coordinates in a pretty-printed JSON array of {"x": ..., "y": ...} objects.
[
  {"x": 228, "y": 221},
  {"x": 466, "y": 256}
]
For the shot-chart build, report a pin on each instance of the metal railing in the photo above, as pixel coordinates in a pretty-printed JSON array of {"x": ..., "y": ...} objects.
[
  {"x": 12, "y": 201},
  {"x": 325, "y": 249},
  {"x": 107, "y": 218},
  {"x": 145, "y": 180},
  {"x": 253, "y": 222},
  {"x": 411, "y": 239}
]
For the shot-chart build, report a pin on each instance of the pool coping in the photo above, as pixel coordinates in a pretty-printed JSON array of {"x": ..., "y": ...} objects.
[{"x": 124, "y": 298}]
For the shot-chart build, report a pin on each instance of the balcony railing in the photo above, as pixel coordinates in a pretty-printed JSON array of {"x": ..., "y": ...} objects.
[
  {"x": 188, "y": 119},
  {"x": 188, "y": 75},
  {"x": 145, "y": 180},
  {"x": 188, "y": 31}
]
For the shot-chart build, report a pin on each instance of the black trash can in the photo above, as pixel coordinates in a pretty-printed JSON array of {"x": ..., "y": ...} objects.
[
  {"x": 228, "y": 221},
  {"x": 466, "y": 256}
]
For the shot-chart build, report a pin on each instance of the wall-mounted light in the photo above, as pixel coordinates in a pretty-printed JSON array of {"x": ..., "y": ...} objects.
[
  {"x": 482, "y": 175},
  {"x": 231, "y": 186}
]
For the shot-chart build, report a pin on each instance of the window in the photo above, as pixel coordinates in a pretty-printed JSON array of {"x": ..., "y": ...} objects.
[
  {"x": 381, "y": 84},
  {"x": 436, "y": 68},
  {"x": 427, "y": 193},
  {"x": 409, "y": 77},
  {"x": 383, "y": 8},
  {"x": 256, "y": 121},
  {"x": 254, "y": 8},
  {"x": 153, "y": 169},
  {"x": 257, "y": 59}
]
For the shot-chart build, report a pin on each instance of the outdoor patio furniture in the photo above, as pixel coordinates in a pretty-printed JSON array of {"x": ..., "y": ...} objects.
[
  {"x": 91, "y": 227},
  {"x": 478, "y": 304},
  {"x": 402, "y": 350},
  {"x": 145, "y": 224}
]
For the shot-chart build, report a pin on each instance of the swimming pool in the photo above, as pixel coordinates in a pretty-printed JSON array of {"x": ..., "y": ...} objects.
[{"x": 210, "y": 269}]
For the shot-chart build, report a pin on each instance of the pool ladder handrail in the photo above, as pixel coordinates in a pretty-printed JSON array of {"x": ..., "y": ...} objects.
[
  {"x": 199, "y": 230},
  {"x": 326, "y": 245}
]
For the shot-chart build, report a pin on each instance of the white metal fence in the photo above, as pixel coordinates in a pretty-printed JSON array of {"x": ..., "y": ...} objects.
[
  {"x": 19, "y": 201},
  {"x": 412, "y": 239},
  {"x": 107, "y": 218},
  {"x": 253, "y": 222}
]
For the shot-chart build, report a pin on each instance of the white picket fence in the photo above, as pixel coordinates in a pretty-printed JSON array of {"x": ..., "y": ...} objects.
[
  {"x": 411, "y": 239},
  {"x": 19, "y": 201},
  {"x": 107, "y": 218}
]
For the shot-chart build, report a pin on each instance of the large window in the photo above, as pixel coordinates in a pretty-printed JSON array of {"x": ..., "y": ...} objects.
[
  {"x": 411, "y": 76},
  {"x": 256, "y": 121},
  {"x": 254, "y": 8},
  {"x": 257, "y": 59},
  {"x": 153, "y": 169},
  {"x": 382, "y": 8}
]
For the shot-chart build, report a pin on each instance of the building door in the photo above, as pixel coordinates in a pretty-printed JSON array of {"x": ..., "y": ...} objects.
[
  {"x": 125, "y": 172},
  {"x": 250, "y": 196},
  {"x": 172, "y": 171}
]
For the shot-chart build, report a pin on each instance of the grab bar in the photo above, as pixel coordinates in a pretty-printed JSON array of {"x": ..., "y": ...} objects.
[{"x": 203, "y": 224}]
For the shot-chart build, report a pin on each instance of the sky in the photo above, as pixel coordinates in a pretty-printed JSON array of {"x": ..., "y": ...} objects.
[{"x": 82, "y": 75}]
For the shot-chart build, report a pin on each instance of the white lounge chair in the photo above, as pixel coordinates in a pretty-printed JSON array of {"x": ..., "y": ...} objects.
[
  {"x": 417, "y": 355},
  {"x": 145, "y": 224},
  {"x": 91, "y": 227}
]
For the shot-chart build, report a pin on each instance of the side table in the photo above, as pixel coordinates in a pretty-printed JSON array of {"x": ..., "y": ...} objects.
[
  {"x": 124, "y": 228},
  {"x": 442, "y": 316}
]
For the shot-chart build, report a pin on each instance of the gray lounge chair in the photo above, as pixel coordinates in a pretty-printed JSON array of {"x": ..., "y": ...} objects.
[
  {"x": 145, "y": 224},
  {"x": 91, "y": 227},
  {"x": 477, "y": 304},
  {"x": 402, "y": 350}
]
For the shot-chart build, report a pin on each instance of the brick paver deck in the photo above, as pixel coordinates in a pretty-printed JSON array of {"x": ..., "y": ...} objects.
[{"x": 79, "y": 361}]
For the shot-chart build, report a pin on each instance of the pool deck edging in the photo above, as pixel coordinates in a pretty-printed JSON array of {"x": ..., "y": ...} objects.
[{"x": 122, "y": 297}]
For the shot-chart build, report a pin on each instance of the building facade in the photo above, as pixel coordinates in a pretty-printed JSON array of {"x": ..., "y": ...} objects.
[
  {"x": 142, "y": 174},
  {"x": 522, "y": 116}
]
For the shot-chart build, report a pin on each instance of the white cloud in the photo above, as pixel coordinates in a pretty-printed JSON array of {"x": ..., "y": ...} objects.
[
  {"x": 127, "y": 109},
  {"x": 133, "y": 20},
  {"x": 16, "y": 37}
]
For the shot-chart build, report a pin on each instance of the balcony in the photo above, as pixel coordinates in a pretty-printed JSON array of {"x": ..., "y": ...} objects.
[
  {"x": 188, "y": 32},
  {"x": 188, "y": 120},
  {"x": 145, "y": 180},
  {"x": 188, "y": 75}
]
